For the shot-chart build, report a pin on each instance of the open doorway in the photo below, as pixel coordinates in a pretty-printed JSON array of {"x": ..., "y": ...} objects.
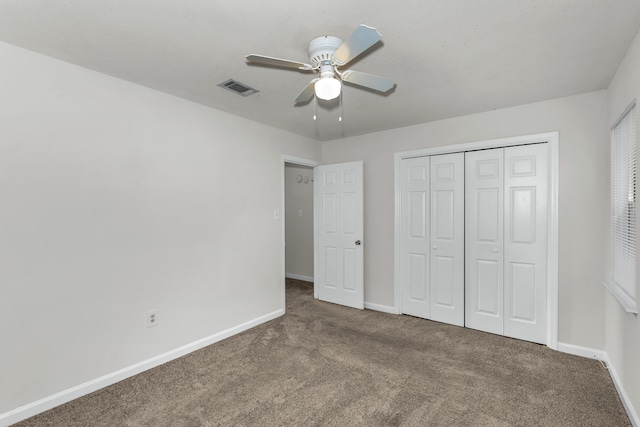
[
  {"x": 298, "y": 239},
  {"x": 298, "y": 227}
]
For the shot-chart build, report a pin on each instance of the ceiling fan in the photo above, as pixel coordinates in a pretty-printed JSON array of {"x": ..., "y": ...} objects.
[{"x": 327, "y": 55}]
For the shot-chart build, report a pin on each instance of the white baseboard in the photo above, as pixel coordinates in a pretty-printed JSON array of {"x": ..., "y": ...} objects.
[
  {"x": 379, "y": 307},
  {"x": 626, "y": 402},
  {"x": 23, "y": 412},
  {"x": 298, "y": 277},
  {"x": 578, "y": 350},
  {"x": 602, "y": 355}
]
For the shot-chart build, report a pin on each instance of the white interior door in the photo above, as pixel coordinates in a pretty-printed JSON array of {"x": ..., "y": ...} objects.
[
  {"x": 415, "y": 252},
  {"x": 525, "y": 249},
  {"x": 447, "y": 238},
  {"x": 338, "y": 222},
  {"x": 484, "y": 194}
]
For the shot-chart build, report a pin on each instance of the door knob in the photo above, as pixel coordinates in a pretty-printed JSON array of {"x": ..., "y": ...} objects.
[
  {"x": 494, "y": 250},
  {"x": 435, "y": 248},
  {"x": 358, "y": 242}
]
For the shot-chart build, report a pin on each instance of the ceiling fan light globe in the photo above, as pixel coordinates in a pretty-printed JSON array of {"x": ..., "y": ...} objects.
[{"x": 328, "y": 88}]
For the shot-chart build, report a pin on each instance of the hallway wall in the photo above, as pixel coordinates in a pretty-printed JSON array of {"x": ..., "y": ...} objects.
[{"x": 299, "y": 221}]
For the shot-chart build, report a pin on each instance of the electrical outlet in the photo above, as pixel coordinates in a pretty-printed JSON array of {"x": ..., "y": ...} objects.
[{"x": 152, "y": 318}]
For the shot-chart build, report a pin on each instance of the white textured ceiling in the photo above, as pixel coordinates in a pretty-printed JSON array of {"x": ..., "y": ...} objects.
[{"x": 448, "y": 57}]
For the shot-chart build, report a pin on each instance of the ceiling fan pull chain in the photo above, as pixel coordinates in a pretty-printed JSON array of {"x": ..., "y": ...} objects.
[
  {"x": 340, "y": 117},
  {"x": 315, "y": 110}
]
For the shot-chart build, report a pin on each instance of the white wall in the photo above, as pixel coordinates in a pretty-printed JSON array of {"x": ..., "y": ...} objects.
[
  {"x": 114, "y": 200},
  {"x": 299, "y": 229},
  {"x": 621, "y": 330},
  {"x": 583, "y": 217}
]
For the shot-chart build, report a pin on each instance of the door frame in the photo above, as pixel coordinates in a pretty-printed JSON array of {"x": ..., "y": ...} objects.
[
  {"x": 552, "y": 139},
  {"x": 285, "y": 158}
]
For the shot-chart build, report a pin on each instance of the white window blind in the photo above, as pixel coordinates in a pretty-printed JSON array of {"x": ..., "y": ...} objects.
[{"x": 623, "y": 210}]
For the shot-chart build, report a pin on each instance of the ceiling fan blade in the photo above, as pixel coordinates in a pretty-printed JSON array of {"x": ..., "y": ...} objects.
[
  {"x": 307, "y": 93},
  {"x": 277, "y": 62},
  {"x": 371, "y": 81},
  {"x": 362, "y": 39}
]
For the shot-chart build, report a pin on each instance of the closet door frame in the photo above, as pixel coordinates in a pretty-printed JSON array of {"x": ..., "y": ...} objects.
[{"x": 552, "y": 139}]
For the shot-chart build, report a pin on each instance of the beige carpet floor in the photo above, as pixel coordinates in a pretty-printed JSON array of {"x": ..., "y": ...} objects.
[{"x": 327, "y": 365}]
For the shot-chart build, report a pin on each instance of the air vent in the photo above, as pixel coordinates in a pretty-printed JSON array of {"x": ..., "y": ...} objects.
[{"x": 237, "y": 87}]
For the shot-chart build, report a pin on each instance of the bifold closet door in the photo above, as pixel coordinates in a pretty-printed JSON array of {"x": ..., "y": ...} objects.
[
  {"x": 484, "y": 203},
  {"x": 447, "y": 238},
  {"x": 414, "y": 255},
  {"x": 525, "y": 244},
  {"x": 432, "y": 243},
  {"x": 506, "y": 241}
]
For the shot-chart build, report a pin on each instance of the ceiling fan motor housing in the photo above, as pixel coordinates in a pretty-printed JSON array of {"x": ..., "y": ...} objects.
[{"x": 321, "y": 49}]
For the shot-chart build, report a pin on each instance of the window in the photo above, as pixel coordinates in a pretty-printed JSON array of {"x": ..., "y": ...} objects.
[{"x": 623, "y": 210}]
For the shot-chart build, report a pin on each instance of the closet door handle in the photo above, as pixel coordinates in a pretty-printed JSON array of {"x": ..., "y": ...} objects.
[
  {"x": 358, "y": 242},
  {"x": 494, "y": 250},
  {"x": 435, "y": 248}
]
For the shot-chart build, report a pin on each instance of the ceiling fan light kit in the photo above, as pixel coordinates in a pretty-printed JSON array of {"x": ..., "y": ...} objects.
[
  {"x": 328, "y": 88},
  {"x": 327, "y": 55}
]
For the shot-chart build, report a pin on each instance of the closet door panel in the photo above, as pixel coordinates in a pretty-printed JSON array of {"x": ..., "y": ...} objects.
[
  {"x": 443, "y": 291},
  {"x": 487, "y": 275},
  {"x": 447, "y": 238},
  {"x": 414, "y": 255},
  {"x": 418, "y": 267},
  {"x": 484, "y": 245},
  {"x": 526, "y": 242}
]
